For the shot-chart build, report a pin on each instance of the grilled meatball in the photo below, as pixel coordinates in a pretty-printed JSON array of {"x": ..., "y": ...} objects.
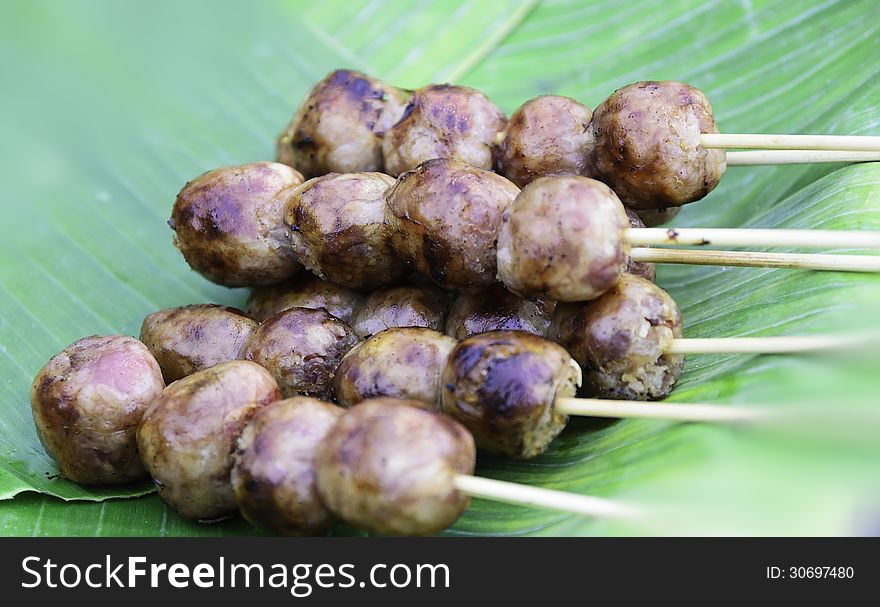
[
  {"x": 620, "y": 340},
  {"x": 87, "y": 402},
  {"x": 388, "y": 466},
  {"x": 644, "y": 269},
  {"x": 303, "y": 291},
  {"x": 340, "y": 124},
  {"x": 563, "y": 239},
  {"x": 405, "y": 306},
  {"x": 399, "y": 363},
  {"x": 547, "y": 135},
  {"x": 338, "y": 229},
  {"x": 189, "y": 339},
  {"x": 503, "y": 387},
  {"x": 647, "y": 145},
  {"x": 446, "y": 216},
  {"x": 274, "y": 472},
  {"x": 301, "y": 348},
  {"x": 655, "y": 217},
  {"x": 229, "y": 224},
  {"x": 188, "y": 435},
  {"x": 444, "y": 121},
  {"x": 497, "y": 309}
]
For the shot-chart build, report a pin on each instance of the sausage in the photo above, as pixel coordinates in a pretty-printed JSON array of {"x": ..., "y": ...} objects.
[
  {"x": 398, "y": 363},
  {"x": 187, "y": 436},
  {"x": 189, "y": 339},
  {"x": 301, "y": 348},
  {"x": 388, "y": 466},
  {"x": 87, "y": 402},
  {"x": 340, "y": 125},
  {"x": 229, "y": 224}
]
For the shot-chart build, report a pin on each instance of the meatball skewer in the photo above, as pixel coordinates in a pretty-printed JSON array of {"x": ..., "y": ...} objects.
[
  {"x": 389, "y": 466},
  {"x": 514, "y": 391},
  {"x": 385, "y": 466},
  {"x": 569, "y": 239},
  {"x": 655, "y": 143},
  {"x": 627, "y": 344}
]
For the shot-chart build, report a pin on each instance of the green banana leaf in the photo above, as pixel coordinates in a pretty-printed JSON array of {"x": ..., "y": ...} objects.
[{"x": 109, "y": 107}]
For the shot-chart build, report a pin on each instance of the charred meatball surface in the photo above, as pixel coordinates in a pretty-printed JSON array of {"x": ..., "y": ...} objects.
[
  {"x": 563, "y": 239},
  {"x": 503, "y": 387},
  {"x": 405, "y": 306},
  {"x": 229, "y": 224},
  {"x": 187, "y": 437},
  {"x": 497, "y": 309},
  {"x": 444, "y": 121},
  {"x": 446, "y": 216},
  {"x": 620, "y": 340},
  {"x": 340, "y": 125},
  {"x": 339, "y": 231},
  {"x": 301, "y": 348},
  {"x": 547, "y": 135},
  {"x": 304, "y": 291},
  {"x": 647, "y": 145},
  {"x": 398, "y": 363},
  {"x": 645, "y": 269},
  {"x": 87, "y": 402},
  {"x": 388, "y": 466},
  {"x": 274, "y": 472},
  {"x": 189, "y": 339}
]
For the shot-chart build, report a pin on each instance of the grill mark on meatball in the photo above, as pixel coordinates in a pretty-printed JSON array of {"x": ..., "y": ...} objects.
[{"x": 507, "y": 388}]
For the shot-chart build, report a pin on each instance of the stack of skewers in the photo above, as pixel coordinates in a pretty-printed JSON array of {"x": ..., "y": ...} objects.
[{"x": 451, "y": 280}]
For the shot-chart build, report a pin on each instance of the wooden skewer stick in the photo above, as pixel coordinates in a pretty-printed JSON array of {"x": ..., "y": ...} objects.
[
  {"x": 781, "y": 344},
  {"x": 682, "y": 412},
  {"x": 527, "y": 495},
  {"x": 804, "y": 261},
  {"x": 749, "y": 237},
  {"x": 761, "y": 157},
  {"x": 864, "y": 143}
]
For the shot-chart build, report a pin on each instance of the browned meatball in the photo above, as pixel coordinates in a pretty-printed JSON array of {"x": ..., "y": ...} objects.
[
  {"x": 340, "y": 124},
  {"x": 503, "y": 387},
  {"x": 301, "y": 348},
  {"x": 339, "y": 231},
  {"x": 399, "y": 363},
  {"x": 497, "y": 309},
  {"x": 446, "y": 219},
  {"x": 189, "y": 339},
  {"x": 274, "y": 472},
  {"x": 444, "y": 121},
  {"x": 188, "y": 435},
  {"x": 563, "y": 239},
  {"x": 406, "y": 306},
  {"x": 87, "y": 402},
  {"x": 547, "y": 135},
  {"x": 647, "y": 145},
  {"x": 655, "y": 217},
  {"x": 303, "y": 291},
  {"x": 644, "y": 269},
  {"x": 620, "y": 340},
  {"x": 389, "y": 466},
  {"x": 229, "y": 224}
]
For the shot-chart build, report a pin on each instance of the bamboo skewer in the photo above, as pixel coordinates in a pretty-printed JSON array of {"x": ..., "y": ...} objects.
[
  {"x": 526, "y": 495},
  {"x": 762, "y": 157},
  {"x": 804, "y": 261},
  {"x": 790, "y": 142},
  {"x": 749, "y": 237},
  {"x": 783, "y": 344},
  {"x": 682, "y": 412}
]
